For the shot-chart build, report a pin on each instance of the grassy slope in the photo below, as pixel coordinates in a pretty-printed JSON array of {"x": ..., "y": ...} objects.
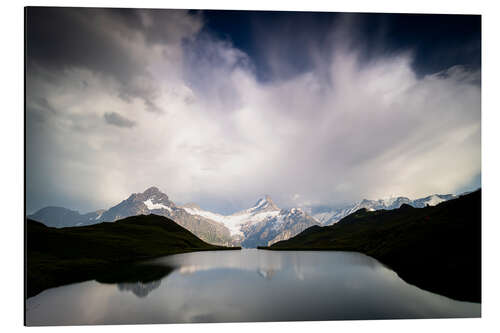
[
  {"x": 60, "y": 256},
  {"x": 436, "y": 248}
]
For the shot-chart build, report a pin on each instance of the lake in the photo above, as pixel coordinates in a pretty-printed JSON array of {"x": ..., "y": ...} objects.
[{"x": 246, "y": 286}]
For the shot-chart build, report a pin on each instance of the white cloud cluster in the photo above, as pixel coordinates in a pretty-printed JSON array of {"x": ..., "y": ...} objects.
[{"x": 345, "y": 130}]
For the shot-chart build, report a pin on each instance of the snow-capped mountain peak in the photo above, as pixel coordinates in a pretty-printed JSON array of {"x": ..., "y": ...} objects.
[
  {"x": 388, "y": 201},
  {"x": 334, "y": 215},
  {"x": 264, "y": 204},
  {"x": 262, "y": 223},
  {"x": 432, "y": 200},
  {"x": 155, "y": 196},
  {"x": 263, "y": 209},
  {"x": 153, "y": 190}
]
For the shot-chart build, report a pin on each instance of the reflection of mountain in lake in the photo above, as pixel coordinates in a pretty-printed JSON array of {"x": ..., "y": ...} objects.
[
  {"x": 268, "y": 274},
  {"x": 316, "y": 285},
  {"x": 266, "y": 265},
  {"x": 246, "y": 260},
  {"x": 139, "y": 289},
  {"x": 140, "y": 279}
]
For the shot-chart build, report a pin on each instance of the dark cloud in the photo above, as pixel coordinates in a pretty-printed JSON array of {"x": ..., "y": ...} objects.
[
  {"x": 71, "y": 37},
  {"x": 100, "y": 40},
  {"x": 62, "y": 38},
  {"x": 285, "y": 44},
  {"x": 116, "y": 119}
]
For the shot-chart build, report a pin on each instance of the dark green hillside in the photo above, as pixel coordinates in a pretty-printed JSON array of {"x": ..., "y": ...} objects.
[
  {"x": 60, "y": 256},
  {"x": 436, "y": 248}
]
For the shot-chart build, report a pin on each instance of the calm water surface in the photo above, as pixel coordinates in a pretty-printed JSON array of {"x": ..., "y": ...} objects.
[{"x": 248, "y": 285}]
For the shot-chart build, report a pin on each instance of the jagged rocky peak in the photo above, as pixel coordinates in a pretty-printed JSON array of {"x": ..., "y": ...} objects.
[
  {"x": 265, "y": 204},
  {"x": 153, "y": 191},
  {"x": 142, "y": 203},
  {"x": 154, "y": 195},
  {"x": 154, "y": 199}
]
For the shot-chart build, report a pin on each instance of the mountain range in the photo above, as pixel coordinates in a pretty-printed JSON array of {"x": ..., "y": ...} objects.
[
  {"x": 436, "y": 247},
  {"x": 331, "y": 215},
  {"x": 261, "y": 225},
  {"x": 151, "y": 201}
]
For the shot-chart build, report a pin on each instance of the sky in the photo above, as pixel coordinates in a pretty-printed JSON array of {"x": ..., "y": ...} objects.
[{"x": 222, "y": 107}]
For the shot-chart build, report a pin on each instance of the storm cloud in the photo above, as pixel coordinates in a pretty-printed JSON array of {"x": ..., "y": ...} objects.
[{"x": 338, "y": 120}]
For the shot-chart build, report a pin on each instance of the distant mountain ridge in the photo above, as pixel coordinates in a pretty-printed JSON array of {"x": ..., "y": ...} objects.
[
  {"x": 263, "y": 224},
  {"x": 329, "y": 216},
  {"x": 60, "y": 217},
  {"x": 151, "y": 201},
  {"x": 436, "y": 247}
]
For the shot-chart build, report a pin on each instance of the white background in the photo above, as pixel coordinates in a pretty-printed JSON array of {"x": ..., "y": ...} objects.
[{"x": 12, "y": 165}]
